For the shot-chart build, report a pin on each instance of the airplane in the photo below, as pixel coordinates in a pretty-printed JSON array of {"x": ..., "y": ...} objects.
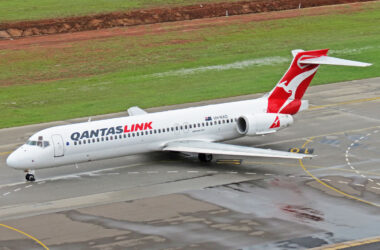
[{"x": 197, "y": 130}]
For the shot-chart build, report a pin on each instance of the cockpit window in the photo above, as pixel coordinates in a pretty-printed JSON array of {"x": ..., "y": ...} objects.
[
  {"x": 32, "y": 143},
  {"x": 41, "y": 144}
]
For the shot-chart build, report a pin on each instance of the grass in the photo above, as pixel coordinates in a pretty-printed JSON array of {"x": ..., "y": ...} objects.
[
  {"x": 16, "y": 10},
  {"x": 109, "y": 75}
]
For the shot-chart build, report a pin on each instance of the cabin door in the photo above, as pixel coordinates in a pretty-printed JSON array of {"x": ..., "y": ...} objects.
[{"x": 58, "y": 145}]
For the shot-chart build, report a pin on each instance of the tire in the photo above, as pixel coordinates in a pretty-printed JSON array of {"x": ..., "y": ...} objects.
[
  {"x": 30, "y": 177},
  {"x": 205, "y": 157}
]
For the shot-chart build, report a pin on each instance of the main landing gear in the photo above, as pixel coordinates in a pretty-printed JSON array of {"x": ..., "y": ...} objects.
[
  {"x": 29, "y": 175},
  {"x": 205, "y": 157}
]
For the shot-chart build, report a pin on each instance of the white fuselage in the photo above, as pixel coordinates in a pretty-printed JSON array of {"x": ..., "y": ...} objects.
[{"x": 95, "y": 140}]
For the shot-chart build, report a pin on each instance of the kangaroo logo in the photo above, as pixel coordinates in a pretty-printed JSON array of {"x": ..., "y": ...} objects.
[
  {"x": 295, "y": 82},
  {"x": 276, "y": 123}
]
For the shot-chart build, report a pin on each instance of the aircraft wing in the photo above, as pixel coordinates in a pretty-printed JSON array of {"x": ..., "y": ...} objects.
[
  {"x": 133, "y": 111},
  {"x": 193, "y": 146}
]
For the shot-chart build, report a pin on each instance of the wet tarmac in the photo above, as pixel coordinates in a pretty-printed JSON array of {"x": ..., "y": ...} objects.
[{"x": 167, "y": 201}]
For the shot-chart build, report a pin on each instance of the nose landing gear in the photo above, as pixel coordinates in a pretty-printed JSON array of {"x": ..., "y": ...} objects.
[
  {"x": 205, "y": 157},
  {"x": 29, "y": 175}
]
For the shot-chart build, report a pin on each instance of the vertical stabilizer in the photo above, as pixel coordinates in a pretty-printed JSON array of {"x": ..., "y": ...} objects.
[{"x": 286, "y": 96}]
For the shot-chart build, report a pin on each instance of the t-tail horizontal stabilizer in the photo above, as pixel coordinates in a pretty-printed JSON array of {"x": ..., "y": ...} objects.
[{"x": 328, "y": 60}]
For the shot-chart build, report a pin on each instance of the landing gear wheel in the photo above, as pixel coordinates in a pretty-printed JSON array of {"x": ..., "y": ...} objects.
[
  {"x": 30, "y": 177},
  {"x": 205, "y": 157}
]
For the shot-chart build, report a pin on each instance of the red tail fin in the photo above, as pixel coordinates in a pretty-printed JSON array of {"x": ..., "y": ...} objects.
[{"x": 286, "y": 97}]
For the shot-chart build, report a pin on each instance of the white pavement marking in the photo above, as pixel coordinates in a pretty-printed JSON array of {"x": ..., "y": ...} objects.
[
  {"x": 172, "y": 172},
  {"x": 343, "y": 182},
  {"x": 6, "y": 193},
  {"x": 17, "y": 189},
  {"x": 152, "y": 172},
  {"x": 326, "y": 179},
  {"x": 348, "y": 160},
  {"x": 249, "y": 173},
  {"x": 193, "y": 171},
  {"x": 28, "y": 186}
]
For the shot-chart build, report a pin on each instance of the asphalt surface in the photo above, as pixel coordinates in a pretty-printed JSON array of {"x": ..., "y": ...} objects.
[{"x": 163, "y": 200}]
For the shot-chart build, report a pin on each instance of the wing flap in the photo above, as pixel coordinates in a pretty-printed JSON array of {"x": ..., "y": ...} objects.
[{"x": 227, "y": 149}]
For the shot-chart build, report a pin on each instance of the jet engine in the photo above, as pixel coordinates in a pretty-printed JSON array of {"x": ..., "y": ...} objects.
[{"x": 263, "y": 123}]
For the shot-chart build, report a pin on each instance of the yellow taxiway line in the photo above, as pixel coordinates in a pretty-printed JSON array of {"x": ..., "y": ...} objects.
[
  {"x": 345, "y": 103},
  {"x": 349, "y": 244},
  {"x": 327, "y": 185},
  {"x": 27, "y": 235}
]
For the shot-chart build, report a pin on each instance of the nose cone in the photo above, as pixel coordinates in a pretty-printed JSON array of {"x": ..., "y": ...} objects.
[
  {"x": 15, "y": 160},
  {"x": 11, "y": 160}
]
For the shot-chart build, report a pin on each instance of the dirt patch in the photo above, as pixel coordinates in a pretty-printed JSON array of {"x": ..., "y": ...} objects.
[{"x": 157, "y": 15}]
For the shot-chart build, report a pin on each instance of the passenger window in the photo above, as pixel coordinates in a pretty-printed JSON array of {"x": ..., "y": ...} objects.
[
  {"x": 146, "y": 132},
  {"x": 111, "y": 138},
  {"x": 125, "y": 136},
  {"x": 172, "y": 129},
  {"x": 185, "y": 126},
  {"x": 155, "y": 131},
  {"x": 137, "y": 134},
  {"x": 84, "y": 141},
  {"x": 203, "y": 124},
  {"x": 159, "y": 130},
  {"x": 224, "y": 121},
  {"x": 80, "y": 142},
  {"x": 106, "y": 138},
  {"x": 181, "y": 127},
  {"x": 228, "y": 121},
  {"x": 232, "y": 120},
  {"x": 151, "y": 132},
  {"x": 129, "y": 135},
  {"x": 190, "y": 126},
  {"x": 102, "y": 139},
  {"x": 133, "y": 134},
  {"x": 163, "y": 130},
  {"x": 75, "y": 143},
  {"x": 176, "y": 128},
  {"x": 93, "y": 140},
  {"x": 89, "y": 141},
  {"x": 219, "y": 122},
  {"x": 97, "y": 139}
]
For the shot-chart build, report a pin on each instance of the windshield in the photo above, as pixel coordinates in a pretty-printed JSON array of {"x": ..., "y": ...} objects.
[{"x": 42, "y": 144}]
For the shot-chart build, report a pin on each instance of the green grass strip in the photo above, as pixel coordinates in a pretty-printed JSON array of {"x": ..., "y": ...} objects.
[{"x": 110, "y": 75}]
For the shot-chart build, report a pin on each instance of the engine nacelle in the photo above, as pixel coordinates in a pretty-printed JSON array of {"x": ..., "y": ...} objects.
[{"x": 263, "y": 123}]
